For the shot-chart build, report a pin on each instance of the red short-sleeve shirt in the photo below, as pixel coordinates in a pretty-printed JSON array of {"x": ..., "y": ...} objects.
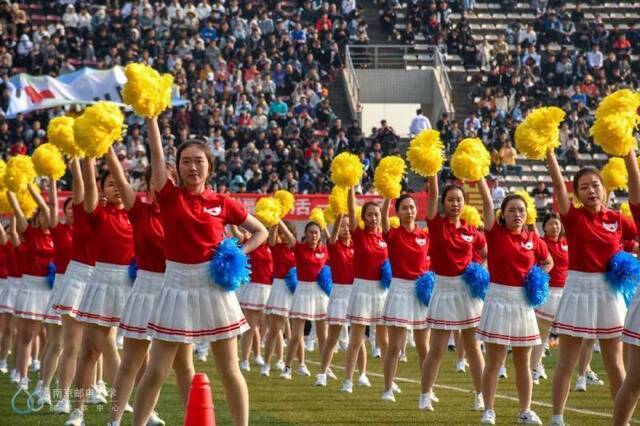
[
  {"x": 284, "y": 259},
  {"x": 39, "y": 251},
  {"x": 4, "y": 261},
  {"x": 148, "y": 236},
  {"x": 511, "y": 255},
  {"x": 341, "y": 261},
  {"x": 310, "y": 261},
  {"x": 113, "y": 235},
  {"x": 482, "y": 243},
  {"x": 371, "y": 249},
  {"x": 62, "y": 236},
  {"x": 452, "y": 247},
  {"x": 262, "y": 264},
  {"x": 408, "y": 252},
  {"x": 83, "y": 238},
  {"x": 194, "y": 223},
  {"x": 594, "y": 238},
  {"x": 559, "y": 251}
]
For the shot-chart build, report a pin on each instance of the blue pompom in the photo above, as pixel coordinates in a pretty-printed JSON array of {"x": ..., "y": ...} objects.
[
  {"x": 291, "y": 279},
  {"x": 385, "y": 274},
  {"x": 624, "y": 274},
  {"x": 536, "y": 286},
  {"x": 477, "y": 278},
  {"x": 230, "y": 265},
  {"x": 424, "y": 287},
  {"x": 325, "y": 281},
  {"x": 51, "y": 274},
  {"x": 133, "y": 271}
]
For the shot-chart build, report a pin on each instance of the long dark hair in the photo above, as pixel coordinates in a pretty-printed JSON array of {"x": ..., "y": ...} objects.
[
  {"x": 506, "y": 202},
  {"x": 200, "y": 145},
  {"x": 366, "y": 206},
  {"x": 400, "y": 199},
  {"x": 449, "y": 188}
]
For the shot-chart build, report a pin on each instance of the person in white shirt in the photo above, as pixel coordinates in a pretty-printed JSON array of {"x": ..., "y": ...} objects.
[
  {"x": 419, "y": 123},
  {"x": 595, "y": 58},
  {"x": 498, "y": 193}
]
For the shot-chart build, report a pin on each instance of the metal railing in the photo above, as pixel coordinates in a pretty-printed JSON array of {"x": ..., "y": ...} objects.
[{"x": 352, "y": 86}]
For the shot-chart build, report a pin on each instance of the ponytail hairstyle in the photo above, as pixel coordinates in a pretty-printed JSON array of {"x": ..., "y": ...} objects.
[
  {"x": 506, "y": 202},
  {"x": 449, "y": 188},
  {"x": 399, "y": 200},
  {"x": 200, "y": 145},
  {"x": 366, "y": 206}
]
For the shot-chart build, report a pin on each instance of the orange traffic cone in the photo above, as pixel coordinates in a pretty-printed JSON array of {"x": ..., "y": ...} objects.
[{"x": 200, "y": 410}]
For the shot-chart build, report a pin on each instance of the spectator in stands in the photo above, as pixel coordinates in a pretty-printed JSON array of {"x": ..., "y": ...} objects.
[
  {"x": 419, "y": 123},
  {"x": 595, "y": 58},
  {"x": 541, "y": 197},
  {"x": 498, "y": 193}
]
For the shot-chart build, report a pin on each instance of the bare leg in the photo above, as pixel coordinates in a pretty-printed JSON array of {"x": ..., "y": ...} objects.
[
  {"x": 629, "y": 392},
  {"x": 225, "y": 356},
  {"x": 133, "y": 355},
  {"x": 71, "y": 338},
  {"x": 438, "y": 344},
  {"x": 52, "y": 353},
  {"x": 568, "y": 353},
  {"x": 524, "y": 384},
  {"x": 613, "y": 364},
  {"x": 538, "y": 351},
  {"x": 329, "y": 347},
  {"x": 421, "y": 339},
  {"x": 356, "y": 340},
  {"x": 586, "y": 353},
  {"x": 274, "y": 333},
  {"x": 396, "y": 340},
  {"x": 251, "y": 338},
  {"x": 474, "y": 355},
  {"x": 296, "y": 341},
  {"x": 184, "y": 371},
  {"x": 496, "y": 354}
]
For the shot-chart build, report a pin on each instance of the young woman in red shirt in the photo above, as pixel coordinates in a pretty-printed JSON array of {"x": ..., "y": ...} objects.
[
  {"x": 588, "y": 309},
  {"x": 507, "y": 317},
  {"x": 7, "y": 296},
  {"x": 191, "y": 307}
]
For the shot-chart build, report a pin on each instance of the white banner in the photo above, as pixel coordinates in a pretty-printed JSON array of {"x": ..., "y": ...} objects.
[{"x": 86, "y": 86}]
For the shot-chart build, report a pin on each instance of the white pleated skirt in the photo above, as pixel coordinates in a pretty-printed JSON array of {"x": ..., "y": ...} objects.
[
  {"x": 67, "y": 293},
  {"x": 32, "y": 298},
  {"x": 138, "y": 308},
  {"x": 366, "y": 303},
  {"x": 452, "y": 307},
  {"x": 402, "y": 307},
  {"x": 309, "y": 302},
  {"x": 507, "y": 318},
  {"x": 631, "y": 332},
  {"x": 52, "y": 316},
  {"x": 104, "y": 295},
  {"x": 8, "y": 291},
  {"x": 254, "y": 296},
  {"x": 589, "y": 308},
  {"x": 280, "y": 299},
  {"x": 191, "y": 308},
  {"x": 547, "y": 311},
  {"x": 338, "y": 304}
]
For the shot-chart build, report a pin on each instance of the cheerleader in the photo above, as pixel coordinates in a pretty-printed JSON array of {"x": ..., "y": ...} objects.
[
  {"x": 366, "y": 303},
  {"x": 559, "y": 251},
  {"x": 7, "y": 295},
  {"x": 340, "y": 249},
  {"x": 68, "y": 289},
  {"x": 629, "y": 392},
  {"x": 16, "y": 253},
  {"x": 148, "y": 240},
  {"x": 106, "y": 291},
  {"x": 452, "y": 307},
  {"x": 408, "y": 254},
  {"x": 191, "y": 307},
  {"x": 310, "y": 301},
  {"x": 588, "y": 308},
  {"x": 30, "y": 305},
  {"x": 507, "y": 317},
  {"x": 280, "y": 298}
]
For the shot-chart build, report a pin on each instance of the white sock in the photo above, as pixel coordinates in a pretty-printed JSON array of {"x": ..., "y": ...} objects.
[{"x": 557, "y": 418}]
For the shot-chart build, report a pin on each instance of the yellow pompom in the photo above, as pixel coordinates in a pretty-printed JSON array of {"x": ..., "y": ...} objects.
[
  {"x": 48, "y": 161},
  {"x": 532, "y": 212},
  {"x": 539, "y": 132},
  {"x": 27, "y": 204},
  {"x": 338, "y": 200},
  {"x": 5, "y": 207},
  {"x": 471, "y": 160},
  {"x": 20, "y": 172},
  {"x": 388, "y": 176},
  {"x": 317, "y": 216},
  {"x": 286, "y": 200},
  {"x": 346, "y": 170},
  {"x": 626, "y": 210},
  {"x": 268, "y": 211},
  {"x": 394, "y": 222},
  {"x": 60, "y": 134},
  {"x": 3, "y": 172},
  {"x": 359, "y": 217},
  {"x": 148, "y": 92},
  {"x": 471, "y": 216},
  {"x": 329, "y": 215},
  {"x": 576, "y": 201},
  {"x": 615, "y": 175},
  {"x": 98, "y": 128},
  {"x": 616, "y": 121},
  {"x": 426, "y": 153}
]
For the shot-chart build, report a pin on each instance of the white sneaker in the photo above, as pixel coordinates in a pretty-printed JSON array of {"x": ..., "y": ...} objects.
[
  {"x": 280, "y": 365},
  {"x": 388, "y": 396},
  {"x": 62, "y": 407},
  {"x": 45, "y": 396},
  {"x": 488, "y": 417},
  {"x": 375, "y": 352},
  {"x": 433, "y": 396},
  {"x": 4, "y": 368},
  {"x": 23, "y": 383},
  {"x": 265, "y": 370},
  {"x": 557, "y": 421},
  {"x": 101, "y": 387},
  {"x": 120, "y": 341},
  {"x": 343, "y": 345},
  {"x": 529, "y": 417},
  {"x": 75, "y": 419},
  {"x": 244, "y": 365},
  {"x": 542, "y": 372},
  {"x": 347, "y": 386},
  {"x": 403, "y": 357},
  {"x": 478, "y": 404},
  {"x": 321, "y": 380},
  {"x": 331, "y": 375},
  {"x": 155, "y": 420},
  {"x": 128, "y": 408},
  {"x": 502, "y": 373},
  {"x": 535, "y": 377},
  {"x": 38, "y": 389},
  {"x": 424, "y": 403},
  {"x": 286, "y": 373},
  {"x": 94, "y": 397},
  {"x": 593, "y": 379},
  {"x": 35, "y": 366},
  {"x": 596, "y": 347},
  {"x": 581, "y": 384},
  {"x": 113, "y": 423},
  {"x": 309, "y": 345},
  {"x": 363, "y": 380},
  {"x": 15, "y": 376},
  {"x": 303, "y": 370},
  {"x": 259, "y": 360},
  {"x": 201, "y": 355},
  {"x": 461, "y": 365},
  {"x": 395, "y": 388}
]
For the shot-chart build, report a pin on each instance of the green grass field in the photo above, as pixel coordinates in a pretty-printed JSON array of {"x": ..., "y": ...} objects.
[{"x": 278, "y": 402}]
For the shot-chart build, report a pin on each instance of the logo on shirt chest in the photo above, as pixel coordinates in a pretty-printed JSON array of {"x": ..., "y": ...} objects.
[
  {"x": 467, "y": 238},
  {"x": 564, "y": 247},
  {"x": 610, "y": 227},
  {"x": 213, "y": 211},
  {"x": 319, "y": 255},
  {"x": 421, "y": 241},
  {"x": 382, "y": 243},
  {"x": 527, "y": 245}
]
